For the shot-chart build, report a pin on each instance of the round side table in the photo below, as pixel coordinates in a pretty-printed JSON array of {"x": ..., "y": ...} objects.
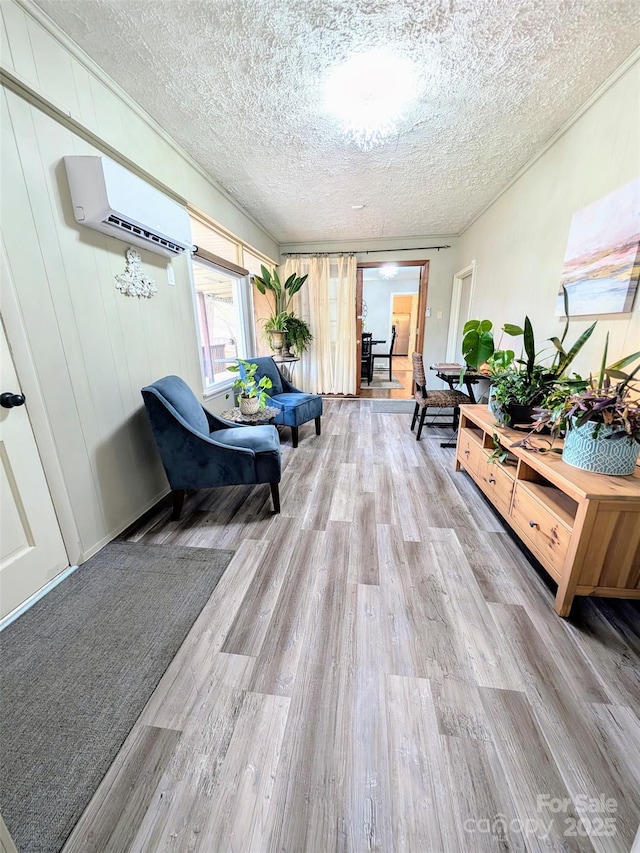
[{"x": 263, "y": 416}]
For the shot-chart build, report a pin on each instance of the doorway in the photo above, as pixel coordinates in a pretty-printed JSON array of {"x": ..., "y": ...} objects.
[
  {"x": 404, "y": 317},
  {"x": 461, "y": 302},
  {"x": 388, "y": 299}
]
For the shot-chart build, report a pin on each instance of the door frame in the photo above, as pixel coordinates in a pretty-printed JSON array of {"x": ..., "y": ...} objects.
[
  {"x": 456, "y": 300},
  {"x": 30, "y": 387},
  {"x": 423, "y": 290}
]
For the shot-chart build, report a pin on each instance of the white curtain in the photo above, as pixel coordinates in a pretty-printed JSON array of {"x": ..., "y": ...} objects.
[{"x": 327, "y": 301}]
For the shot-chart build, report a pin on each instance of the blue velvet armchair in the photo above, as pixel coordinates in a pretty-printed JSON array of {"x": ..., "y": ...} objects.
[
  {"x": 201, "y": 451},
  {"x": 296, "y": 407}
]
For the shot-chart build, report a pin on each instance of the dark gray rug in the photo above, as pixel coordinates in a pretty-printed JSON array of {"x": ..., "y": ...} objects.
[
  {"x": 77, "y": 669},
  {"x": 392, "y": 407}
]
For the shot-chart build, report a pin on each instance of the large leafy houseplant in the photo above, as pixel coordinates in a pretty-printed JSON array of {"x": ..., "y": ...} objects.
[
  {"x": 600, "y": 422},
  {"x": 529, "y": 379},
  {"x": 283, "y": 322}
]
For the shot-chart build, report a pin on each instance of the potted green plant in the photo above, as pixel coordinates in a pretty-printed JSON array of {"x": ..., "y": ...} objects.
[
  {"x": 477, "y": 342},
  {"x": 529, "y": 379},
  {"x": 283, "y": 325},
  {"x": 601, "y": 422},
  {"x": 297, "y": 333},
  {"x": 252, "y": 393}
]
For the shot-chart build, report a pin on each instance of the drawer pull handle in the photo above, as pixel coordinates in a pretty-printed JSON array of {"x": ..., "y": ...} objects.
[
  {"x": 467, "y": 452},
  {"x": 534, "y": 524},
  {"x": 492, "y": 479}
]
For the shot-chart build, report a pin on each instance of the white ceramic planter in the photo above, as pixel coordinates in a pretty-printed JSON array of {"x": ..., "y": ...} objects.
[
  {"x": 600, "y": 455},
  {"x": 249, "y": 405}
]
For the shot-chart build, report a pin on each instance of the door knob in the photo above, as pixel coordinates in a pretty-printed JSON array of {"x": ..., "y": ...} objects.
[{"x": 9, "y": 400}]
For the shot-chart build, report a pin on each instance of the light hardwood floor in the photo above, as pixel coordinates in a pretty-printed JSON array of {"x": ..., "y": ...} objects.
[
  {"x": 379, "y": 668},
  {"x": 402, "y": 370}
]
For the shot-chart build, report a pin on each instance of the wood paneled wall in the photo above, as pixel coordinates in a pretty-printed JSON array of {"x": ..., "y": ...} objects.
[{"x": 93, "y": 348}]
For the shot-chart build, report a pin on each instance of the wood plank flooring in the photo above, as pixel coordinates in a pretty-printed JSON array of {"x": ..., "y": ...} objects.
[
  {"x": 379, "y": 668},
  {"x": 402, "y": 370}
]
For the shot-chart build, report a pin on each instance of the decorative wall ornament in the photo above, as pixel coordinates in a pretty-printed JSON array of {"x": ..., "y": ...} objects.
[{"x": 133, "y": 281}]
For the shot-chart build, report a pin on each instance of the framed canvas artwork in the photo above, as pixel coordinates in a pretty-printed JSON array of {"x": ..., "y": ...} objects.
[{"x": 602, "y": 259}]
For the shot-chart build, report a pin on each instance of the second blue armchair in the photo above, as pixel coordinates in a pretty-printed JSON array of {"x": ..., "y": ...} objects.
[{"x": 296, "y": 407}]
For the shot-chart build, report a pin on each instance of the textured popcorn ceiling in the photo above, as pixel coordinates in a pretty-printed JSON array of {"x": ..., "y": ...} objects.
[{"x": 238, "y": 84}]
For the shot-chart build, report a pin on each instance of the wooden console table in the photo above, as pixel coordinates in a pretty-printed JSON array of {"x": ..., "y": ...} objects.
[{"x": 584, "y": 528}]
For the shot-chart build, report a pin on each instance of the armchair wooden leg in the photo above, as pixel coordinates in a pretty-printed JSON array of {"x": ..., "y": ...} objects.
[
  {"x": 178, "y": 503},
  {"x": 275, "y": 496},
  {"x": 294, "y": 436},
  {"x": 415, "y": 416},
  {"x": 318, "y": 427},
  {"x": 423, "y": 415}
]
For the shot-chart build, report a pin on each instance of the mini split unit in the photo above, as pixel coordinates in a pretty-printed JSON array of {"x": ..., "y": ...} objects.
[{"x": 109, "y": 198}]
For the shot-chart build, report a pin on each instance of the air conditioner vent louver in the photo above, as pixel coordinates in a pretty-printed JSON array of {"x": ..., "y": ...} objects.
[{"x": 146, "y": 235}]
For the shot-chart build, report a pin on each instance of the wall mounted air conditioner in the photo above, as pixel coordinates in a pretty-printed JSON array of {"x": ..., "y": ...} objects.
[{"x": 113, "y": 200}]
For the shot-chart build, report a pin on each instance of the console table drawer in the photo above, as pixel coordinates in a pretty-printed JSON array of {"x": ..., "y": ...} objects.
[
  {"x": 541, "y": 530},
  {"x": 470, "y": 453},
  {"x": 496, "y": 483}
]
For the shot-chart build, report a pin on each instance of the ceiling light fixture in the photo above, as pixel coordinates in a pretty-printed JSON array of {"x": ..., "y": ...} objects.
[
  {"x": 369, "y": 94},
  {"x": 388, "y": 271},
  {"x": 357, "y": 206}
]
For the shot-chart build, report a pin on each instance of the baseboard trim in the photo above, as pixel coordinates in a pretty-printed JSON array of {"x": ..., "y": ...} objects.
[{"x": 22, "y": 608}]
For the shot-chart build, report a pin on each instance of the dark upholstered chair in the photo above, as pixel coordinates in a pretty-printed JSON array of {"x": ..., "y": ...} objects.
[
  {"x": 296, "y": 407},
  {"x": 366, "y": 361},
  {"x": 386, "y": 355},
  {"x": 201, "y": 451},
  {"x": 432, "y": 399}
]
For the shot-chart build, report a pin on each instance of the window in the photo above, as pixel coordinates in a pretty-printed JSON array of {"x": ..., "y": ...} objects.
[
  {"x": 213, "y": 241},
  {"x": 219, "y": 306},
  {"x": 224, "y": 301}
]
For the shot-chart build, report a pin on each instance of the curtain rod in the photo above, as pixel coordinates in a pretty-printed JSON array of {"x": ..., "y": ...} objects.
[{"x": 359, "y": 252}]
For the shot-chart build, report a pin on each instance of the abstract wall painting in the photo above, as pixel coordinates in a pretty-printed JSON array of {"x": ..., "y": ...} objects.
[{"x": 602, "y": 259}]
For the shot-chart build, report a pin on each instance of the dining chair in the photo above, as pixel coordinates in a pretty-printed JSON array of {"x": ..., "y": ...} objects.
[
  {"x": 386, "y": 355},
  {"x": 449, "y": 399},
  {"x": 366, "y": 362}
]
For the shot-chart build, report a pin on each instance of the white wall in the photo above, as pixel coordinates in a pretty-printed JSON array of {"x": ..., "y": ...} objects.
[
  {"x": 519, "y": 242},
  {"x": 442, "y": 265},
  {"x": 93, "y": 348}
]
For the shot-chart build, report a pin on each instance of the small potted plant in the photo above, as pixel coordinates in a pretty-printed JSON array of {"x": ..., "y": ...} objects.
[
  {"x": 252, "y": 393},
  {"x": 601, "y": 422}
]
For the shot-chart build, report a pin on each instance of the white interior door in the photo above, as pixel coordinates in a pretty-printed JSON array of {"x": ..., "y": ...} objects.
[
  {"x": 461, "y": 302},
  {"x": 31, "y": 548}
]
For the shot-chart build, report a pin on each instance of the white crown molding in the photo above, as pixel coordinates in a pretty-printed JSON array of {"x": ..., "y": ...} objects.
[
  {"x": 362, "y": 245},
  {"x": 622, "y": 69},
  {"x": 92, "y": 67}
]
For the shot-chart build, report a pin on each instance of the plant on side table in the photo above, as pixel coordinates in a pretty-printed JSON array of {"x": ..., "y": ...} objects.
[
  {"x": 283, "y": 326},
  {"x": 252, "y": 394},
  {"x": 601, "y": 423}
]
